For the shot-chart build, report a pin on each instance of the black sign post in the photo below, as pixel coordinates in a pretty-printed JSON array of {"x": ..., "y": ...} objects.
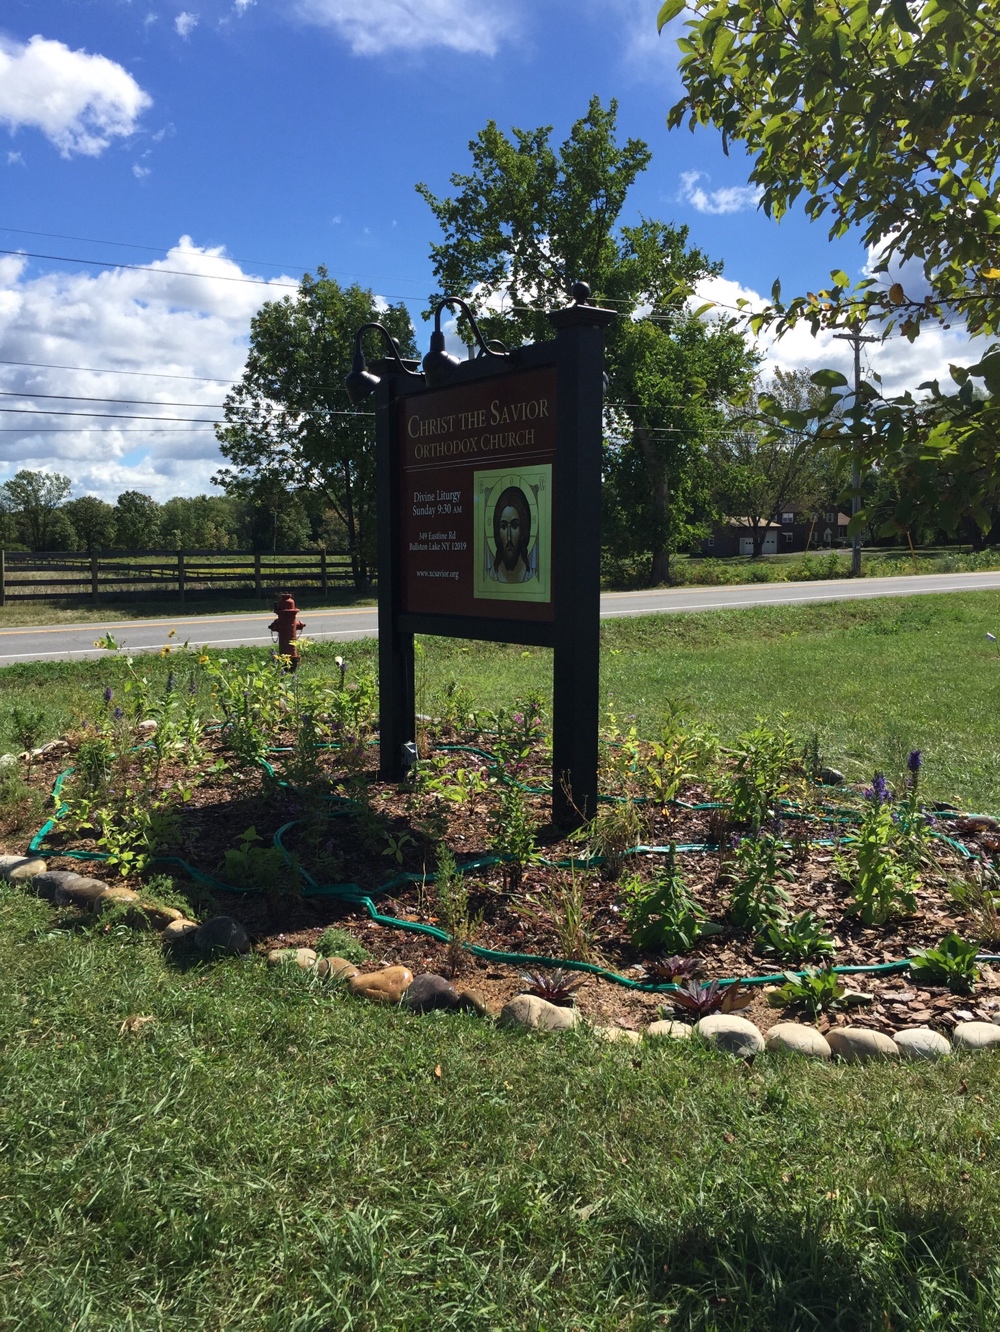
[{"x": 489, "y": 527}]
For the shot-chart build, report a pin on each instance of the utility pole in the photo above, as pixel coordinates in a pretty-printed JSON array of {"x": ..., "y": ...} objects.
[{"x": 856, "y": 338}]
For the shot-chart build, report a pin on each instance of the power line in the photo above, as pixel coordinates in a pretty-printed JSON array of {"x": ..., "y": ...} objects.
[
  {"x": 129, "y": 402},
  {"x": 113, "y": 416},
  {"x": 144, "y": 268},
  {"x": 95, "y": 370}
]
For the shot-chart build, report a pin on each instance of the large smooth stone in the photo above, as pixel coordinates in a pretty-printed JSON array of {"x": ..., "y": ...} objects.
[
  {"x": 471, "y": 1001},
  {"x": 855, "y": 1045},
  {"x": 428, "y": 992},
  {"x": 222, "y": 935},
  {"x": 122, "y": 897},
  {"x": 383, "y": 987},
  {"x": 82, "y": 891},
  {"x": 665, "y": 1029},
  {"x": 735, "y": 1035},
  {"x": 18, "y": 868},
  {"x": 50, "y": 882},
  {"x": 159, "y": 917},
  {"x": 336, "y": 968},
  {"x": 527, "y": 1010},
  {"x": 617, "y": 1035},
  {"x": 302, "y": 957},
  {"x": 977, "y": 1036},
  {"x": 799, "y": 1038},
  {"x": 8, "y": 761},
  {"x": 55, "y": 747},
  {"x": 922, "y": 1043},
  {"x": 178, "y": 930}
]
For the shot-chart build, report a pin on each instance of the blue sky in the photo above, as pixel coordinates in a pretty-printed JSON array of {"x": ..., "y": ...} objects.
[{"x": 259, "y": 138}]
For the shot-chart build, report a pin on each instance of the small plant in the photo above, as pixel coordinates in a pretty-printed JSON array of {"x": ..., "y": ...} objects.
[
  {"x": 883, "y": 881},
  {"x": 616, "y": 829},
  {"x": 557, "y": 987},
  {"x": 266, "y": 868},
  {"x": 703, "y": 1000},
  {"x": 661, "y": 913},
  {"x": 512, "y": 828},
  {"x": 979, "y": 899},
  {"x": 673, "y": 969},
  {"x": 762, "y": 766},
  {"x": 396, "y": 844},
  {"x": 951, "y": 963},
  {"x": 27, "y": 725},
  {"x": 816, "y": 990},
  {"x": 756, "y": 868},
  {"x": 338, "y": 943},
  {"x": 451, "y": 902},
  {"x": 799, "y": 939}
]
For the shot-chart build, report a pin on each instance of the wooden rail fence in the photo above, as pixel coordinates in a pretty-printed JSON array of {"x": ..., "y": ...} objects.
[{"x": 153, "y": 575}]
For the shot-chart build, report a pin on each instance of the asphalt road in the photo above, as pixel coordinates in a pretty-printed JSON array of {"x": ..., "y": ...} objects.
[{"x": 69, "y": 641}]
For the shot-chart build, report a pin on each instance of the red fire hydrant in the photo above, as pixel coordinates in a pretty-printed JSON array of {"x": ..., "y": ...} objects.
[{"x": 287, "y": 627}]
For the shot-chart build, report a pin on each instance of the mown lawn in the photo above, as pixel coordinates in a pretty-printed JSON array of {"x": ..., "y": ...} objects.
[
  {"x": 875, "y": 679},
  {"x": 267, "y": 1153}
]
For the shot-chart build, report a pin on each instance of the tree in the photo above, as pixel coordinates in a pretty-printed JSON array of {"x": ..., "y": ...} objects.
[
  {"x": 289, "y": 423},
  {"x": 137, "y": 521},
  {"x": 879, "y": 113},
  {"x": 883, "y": 114},
  {"x": 93, "y": 521},
  {"x": 525, "y": 224},
  {"x": 35, "y": 497},
  {"x": 771, "y": 459}
]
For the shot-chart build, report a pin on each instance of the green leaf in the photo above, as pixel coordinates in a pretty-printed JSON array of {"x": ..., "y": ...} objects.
[
  {"x": 668, "y": 10},
  {"x": 840, "y": 278},
  {"x": 829, "y": 379}
]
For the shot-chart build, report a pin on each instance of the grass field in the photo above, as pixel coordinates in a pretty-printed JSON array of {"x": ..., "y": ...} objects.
[
  {"x": 269, "y": 1154},
  {"x": 264, "y": 1153},
  {"x": 875, "y": 679}
]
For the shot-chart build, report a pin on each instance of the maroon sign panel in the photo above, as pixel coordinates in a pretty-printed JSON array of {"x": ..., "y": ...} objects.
[{"x": 475, "y": 497}]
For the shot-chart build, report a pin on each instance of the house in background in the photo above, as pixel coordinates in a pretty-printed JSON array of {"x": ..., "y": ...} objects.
[{"x": 791, "y": 531}]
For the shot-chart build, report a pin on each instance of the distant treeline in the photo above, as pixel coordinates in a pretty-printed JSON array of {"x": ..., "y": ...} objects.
[{"x": 37, "y": 514}]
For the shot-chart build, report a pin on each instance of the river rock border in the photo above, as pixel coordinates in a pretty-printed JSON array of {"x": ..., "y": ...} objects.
[{"x": 397, "y": 986}]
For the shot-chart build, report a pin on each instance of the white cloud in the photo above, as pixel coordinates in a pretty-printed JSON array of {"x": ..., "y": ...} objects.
[
  {"x": 141, "y": 172},
  {"x": 241, "y": 6},
  {"x": 372, "y": 27},
  {"x": 195, "y": 322},
  {"x": 185, "y": 23},
  {"x": 80, "y": 102},
  {"x": 731, "y": 199},
  {"x": 902, "y": 365},
  {"x": 15, "y": 159}
]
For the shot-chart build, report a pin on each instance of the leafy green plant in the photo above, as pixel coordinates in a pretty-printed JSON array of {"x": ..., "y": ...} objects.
[
  {"x": 512, "y": 834},
  {"x": 564, "y": 909},
  {"x": 682, "y": 753},
  {"x": 452, "y": 907},
  {"x": 396, "y": 844},
  {"x": 951, "y": 963},
  {"x": 660, "y": 913},
  {"x": 339, "y": 943},
  {"x": 557, "y": 987},
  {"x": 816, "y": 990},
  {"x": 27, "y": 725},
  {"x": 703, "y": 1000},
  {"x": 250, "y": 864},
  {"x": 755, "y": 868},
  {"x": 798, "y": 939},
  {"x": 883, "y": 881},
  {"x": 763, "y": 762},
  {"x": 254, "y": 699}
]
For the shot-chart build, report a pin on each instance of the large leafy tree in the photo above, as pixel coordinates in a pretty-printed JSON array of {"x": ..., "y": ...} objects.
[
  {"x": 289, "y": 423},
  {"x": 93, "y": 521},
  {"x": 880, "y": 115},
  {"x": 528, "y": 221},
  {"x": 35, "y": 499},
  {"x": 137, "y": 521}
]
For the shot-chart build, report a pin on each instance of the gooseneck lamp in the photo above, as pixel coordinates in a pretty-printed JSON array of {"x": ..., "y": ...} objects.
[
  {"x": 361, "y": 383},
  {"x": 438, "y": 363}
]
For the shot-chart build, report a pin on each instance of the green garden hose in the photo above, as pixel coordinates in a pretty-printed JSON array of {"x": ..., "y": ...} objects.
[{"x": 355, "y": 894}]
